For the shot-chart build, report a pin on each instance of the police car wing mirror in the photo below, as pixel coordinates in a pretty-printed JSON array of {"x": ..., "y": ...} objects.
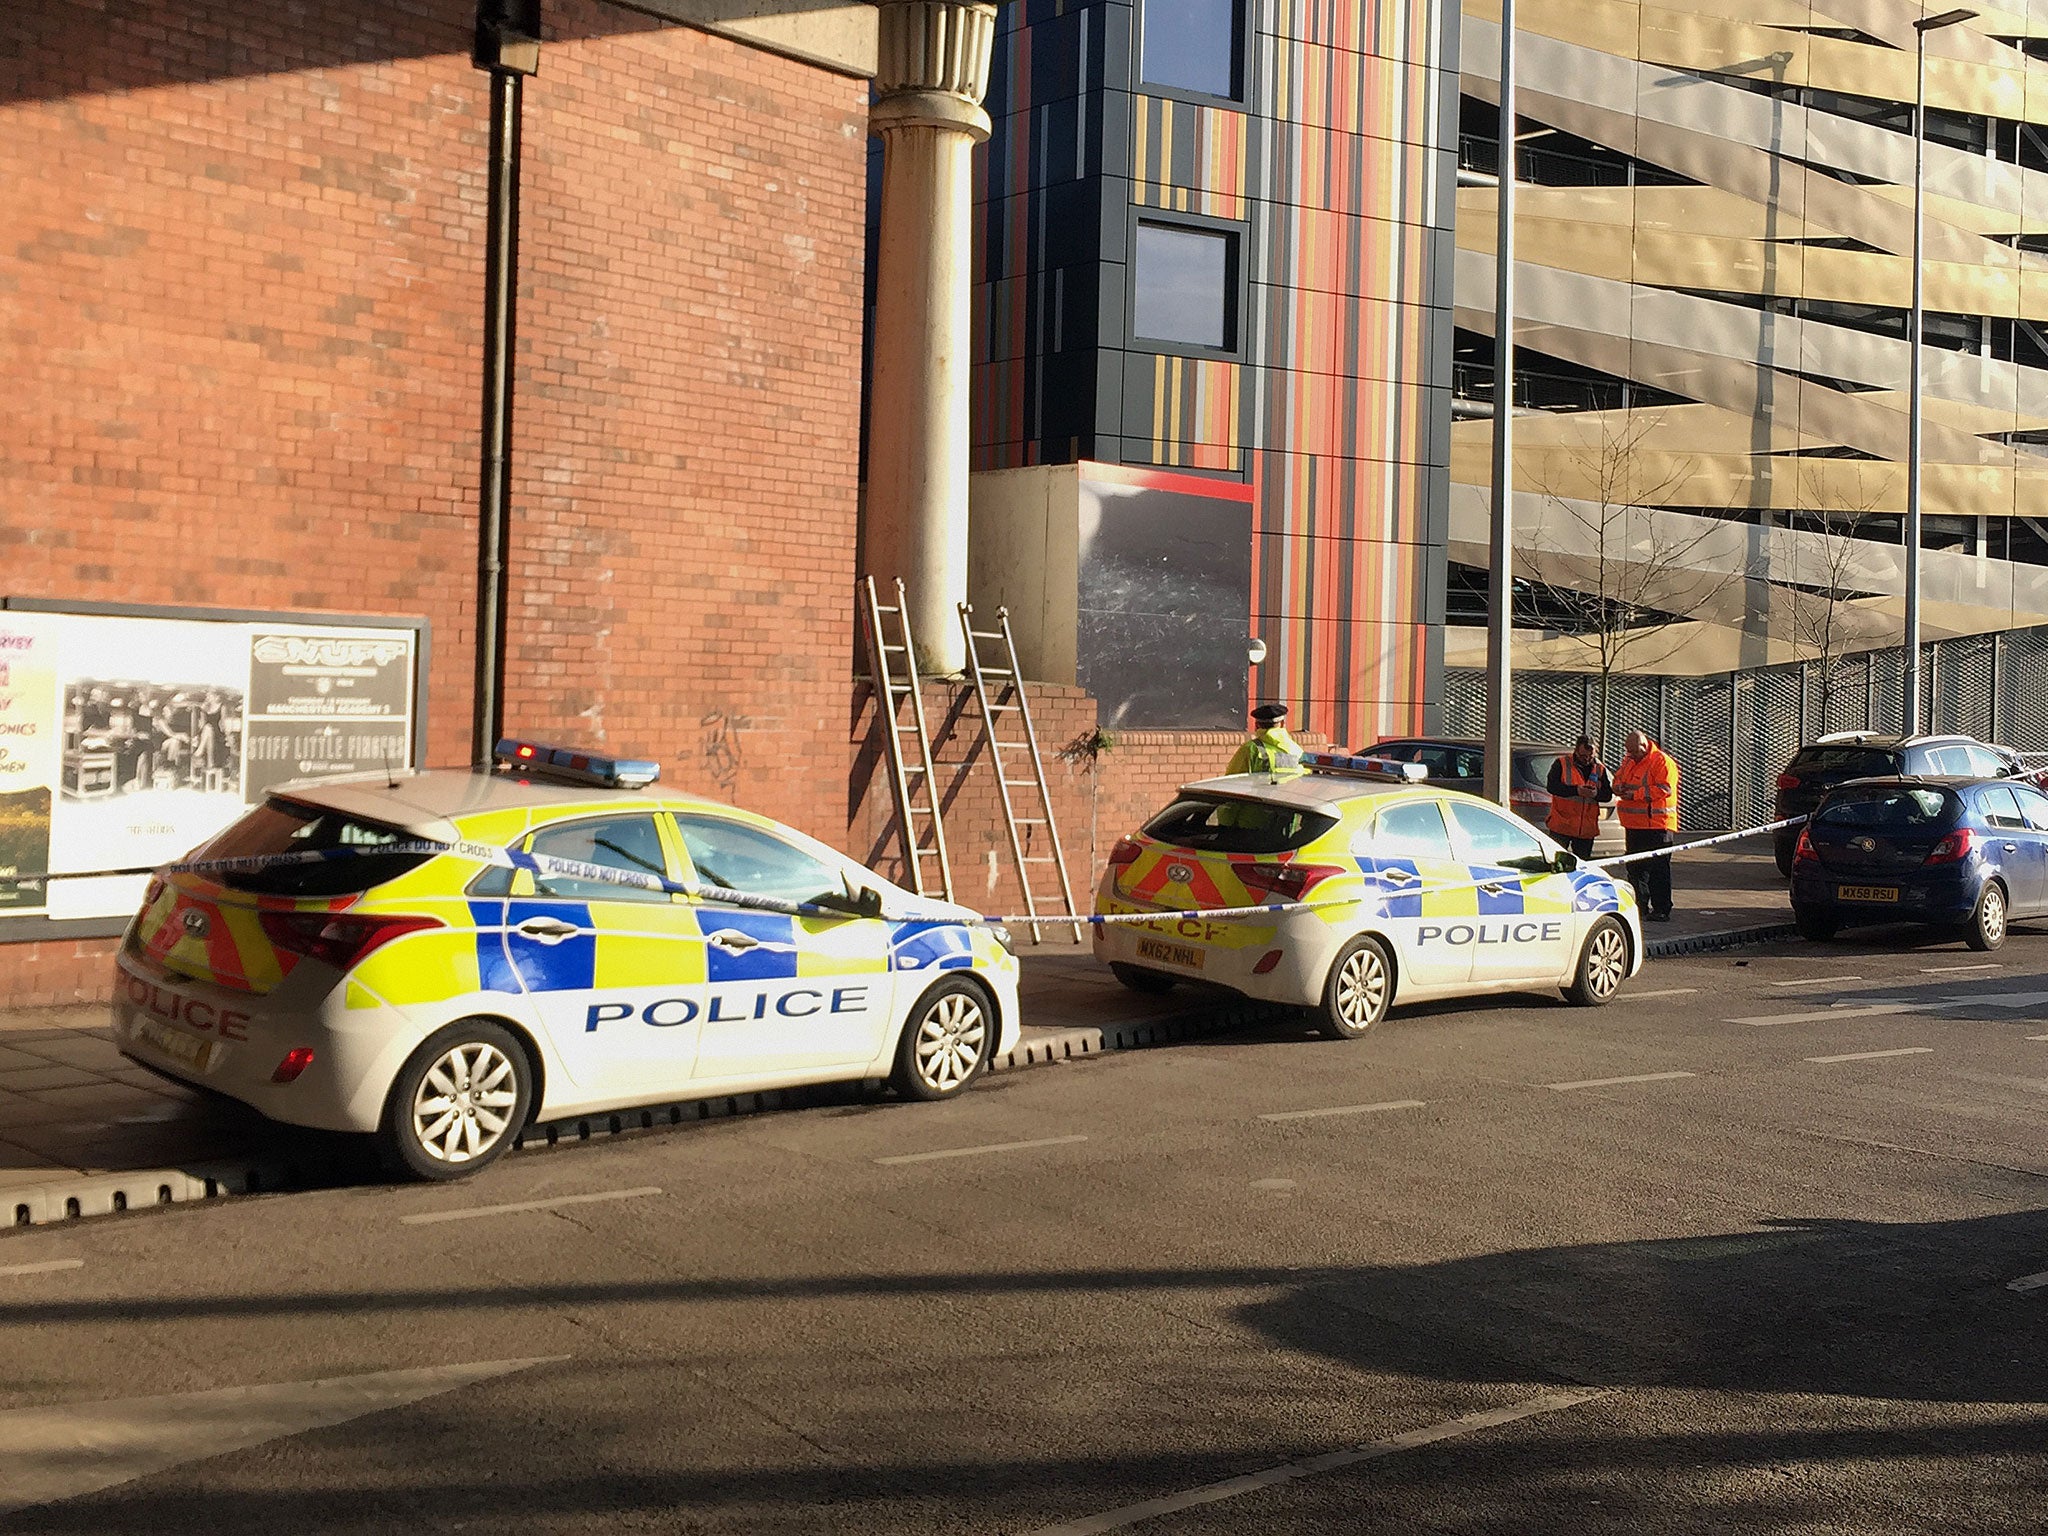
[
  {"x": 1565, "y": 862},
  {"x": 864, "y": 901}
]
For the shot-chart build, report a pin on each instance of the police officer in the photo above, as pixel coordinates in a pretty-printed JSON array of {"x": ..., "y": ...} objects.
[
  {"x": 1579, "y": 784},
  {"x": 1647, "y": 791},
  {"x": 1271, "y": 749}
]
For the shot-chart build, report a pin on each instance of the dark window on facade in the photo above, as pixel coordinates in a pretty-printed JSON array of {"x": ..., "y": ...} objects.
[
  {"x": 1184, "y": 286},
  {"x": 1193, "y": 45}
]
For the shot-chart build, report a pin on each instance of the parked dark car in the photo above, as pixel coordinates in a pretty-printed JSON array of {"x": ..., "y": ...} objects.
[
  {"x": 1961, "y": 853},
  {"x": 1819, "y": 766},
  {"x": 1459, "y": 762}
]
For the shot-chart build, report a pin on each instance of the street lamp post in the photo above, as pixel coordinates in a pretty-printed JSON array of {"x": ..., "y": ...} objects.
[
  {"x": 1500, "y": 584},
  {"x": 1909, "y": 706}
]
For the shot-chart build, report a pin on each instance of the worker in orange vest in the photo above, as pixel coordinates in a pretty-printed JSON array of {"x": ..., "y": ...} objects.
[
  {"x": 1579, "y": 783},
  {"x": 1647, "y": 792}
]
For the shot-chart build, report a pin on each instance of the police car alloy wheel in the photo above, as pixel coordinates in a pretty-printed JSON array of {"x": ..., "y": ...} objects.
[
  {"x": 1361, "y": 985},
  {"x": 1986, "y": 929},
  {"x": 459, "y": 1102},
  {"x": 1603, "y": 963},
  {"x": 946, "y": 1041}
]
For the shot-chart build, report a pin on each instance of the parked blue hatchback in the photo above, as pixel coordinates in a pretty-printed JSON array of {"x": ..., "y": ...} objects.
[{"x": 1963, "y": 853}]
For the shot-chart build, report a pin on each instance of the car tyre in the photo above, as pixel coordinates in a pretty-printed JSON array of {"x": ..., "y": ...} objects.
[
  {"x": 1359, "y": 988},
  {"x": 946, "y": 1041},
  {"x": 1138, "y": 979},
  {"x": 1817, "y": 926},
  {"x": 1603, "y": 965},
  {"x": 1986, "y": 928},
  {"x": 458, "y": 1103}
]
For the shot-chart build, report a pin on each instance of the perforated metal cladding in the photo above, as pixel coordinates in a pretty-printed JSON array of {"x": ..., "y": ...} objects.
[{"x": 1993, "y": 687}]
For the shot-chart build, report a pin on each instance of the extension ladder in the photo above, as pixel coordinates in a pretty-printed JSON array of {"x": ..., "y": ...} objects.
[
  {"x": 916, "y": 783},
  {"x": 1010, "y": 701}
]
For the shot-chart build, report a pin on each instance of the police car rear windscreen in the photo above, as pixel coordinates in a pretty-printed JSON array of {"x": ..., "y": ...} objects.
[{"x": 1223, "y": 825}]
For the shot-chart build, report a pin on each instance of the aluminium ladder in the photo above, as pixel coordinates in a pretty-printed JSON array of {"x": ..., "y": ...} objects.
[
  {"x": 1010, "y": 701},
  {"x": 916, "y": 783}
]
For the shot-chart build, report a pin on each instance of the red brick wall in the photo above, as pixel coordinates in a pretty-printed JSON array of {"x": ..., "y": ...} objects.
[
  {"x": 688, "y": 409},
  {"x": 242, "y": 291}
]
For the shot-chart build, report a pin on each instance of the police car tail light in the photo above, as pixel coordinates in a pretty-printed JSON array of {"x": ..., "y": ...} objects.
[
  {"x": 1289, "y": 882},
  {"x": 339, "y": 939},
  {"x": 1125, "y": 853},
  {"x": 296, "y": 1060}
]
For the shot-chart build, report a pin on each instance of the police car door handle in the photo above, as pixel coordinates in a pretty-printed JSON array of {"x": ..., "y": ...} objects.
[
  {"x": 737, "y": 943},
  {"x": 548, "y": 930},
  {"x": 1401, "y": 876},
  {"x": 1493, "y": 887}
]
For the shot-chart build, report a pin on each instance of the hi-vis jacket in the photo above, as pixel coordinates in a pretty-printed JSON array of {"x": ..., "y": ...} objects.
[
  {"x": 1647, "y": 789},
  {"x": 1571, "y": 817},
  {"x": 1271, "y": 750}
]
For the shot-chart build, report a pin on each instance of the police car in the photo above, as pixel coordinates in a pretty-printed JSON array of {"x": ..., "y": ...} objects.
[
  {"x": 1410, "y": 892},
  {"x": 358, "y": 973}
]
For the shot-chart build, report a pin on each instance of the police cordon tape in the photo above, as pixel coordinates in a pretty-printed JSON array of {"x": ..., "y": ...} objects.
[{"x": 576, "y": 869}]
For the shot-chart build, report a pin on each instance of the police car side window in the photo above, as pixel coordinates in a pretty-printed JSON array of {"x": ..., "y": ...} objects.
[
  {"x": 1412, "y": 831},
  {"x": 615, "y": 842},
  {"x": 737, "y": 857},
  {"x": 1487, "y": 837}
]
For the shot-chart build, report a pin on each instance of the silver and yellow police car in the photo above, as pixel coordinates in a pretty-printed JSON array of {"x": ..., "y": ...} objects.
[
  {"x": 404, "y": 955},
  {"x": 1395, "y": 891}
]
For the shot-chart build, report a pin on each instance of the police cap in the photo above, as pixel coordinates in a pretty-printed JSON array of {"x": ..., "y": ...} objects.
[{"x": 1270, "y": 714}]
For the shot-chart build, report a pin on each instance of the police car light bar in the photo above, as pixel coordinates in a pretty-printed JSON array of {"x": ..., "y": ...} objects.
[
  {"x": 568, "y": 766},
  {"x": 1385, "y": 770}
]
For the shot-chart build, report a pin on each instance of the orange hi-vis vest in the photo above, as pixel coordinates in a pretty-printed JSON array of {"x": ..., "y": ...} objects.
[
  {"x": 1647, "y": 792},
  {"x": 1569, "y": 815}
]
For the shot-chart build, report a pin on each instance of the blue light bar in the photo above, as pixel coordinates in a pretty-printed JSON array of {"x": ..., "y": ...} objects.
[
  {"x": 568, "y": 766},
  {"x": 1386, "y": 770}
]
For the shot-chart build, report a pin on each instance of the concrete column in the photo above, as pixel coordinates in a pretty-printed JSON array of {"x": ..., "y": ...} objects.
[{"x": 933, "y": 72}]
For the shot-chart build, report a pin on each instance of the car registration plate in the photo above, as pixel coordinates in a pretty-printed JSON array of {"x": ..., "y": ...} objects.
[
  {"x": 1866, "y": 893},
  {"x": 175, "y": 1044},
  {"x": 1172, "y": 954}
]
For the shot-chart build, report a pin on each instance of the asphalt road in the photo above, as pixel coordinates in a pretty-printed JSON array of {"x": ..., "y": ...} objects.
[{"x": 1736, "y": 1253}]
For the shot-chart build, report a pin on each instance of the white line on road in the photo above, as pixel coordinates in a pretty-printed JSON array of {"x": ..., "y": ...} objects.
[
  {"x": 1287, "y": 1472},
  {"x": 1814, "y": 1016},
  {"x": 2037, "y": 1037},
  {"x": 1938, "y": 970},
  {"x": 428, "y": 1218},
  {"x": 1636, "y": 997},
  {"x": 1904, "y": 1050},
  {"x": 48, "y": 1266},
  {"x": 1814, "y": 981},
  {"x": 1610, "y": 1082},
  {"x": 1000, "y": 1146},
  {"x": 1998, "y": 1000},
  {"x": 1344, "y": 1109},
  {"x": 2027, "y": 1282}
]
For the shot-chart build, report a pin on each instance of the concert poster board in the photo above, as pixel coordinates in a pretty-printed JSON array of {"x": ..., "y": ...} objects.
[{"x": 130, "y": 735}]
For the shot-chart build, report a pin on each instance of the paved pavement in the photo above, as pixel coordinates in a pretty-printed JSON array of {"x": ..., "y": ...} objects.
[
  {"x": 83, "y": 1131},
  {"x": 1760, "y": 1248}
]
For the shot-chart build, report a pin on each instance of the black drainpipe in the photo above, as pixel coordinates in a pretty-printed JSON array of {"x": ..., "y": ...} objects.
[{"x": 508, "y": 45}]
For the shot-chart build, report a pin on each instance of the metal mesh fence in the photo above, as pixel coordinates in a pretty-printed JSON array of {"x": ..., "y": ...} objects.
[{"x": 1731, "y": 733}]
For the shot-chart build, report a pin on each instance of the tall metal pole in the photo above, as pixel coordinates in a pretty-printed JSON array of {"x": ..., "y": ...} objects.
[
  {"x": 1500, "y": 583},
  {"x": 1909, "y": 705}
]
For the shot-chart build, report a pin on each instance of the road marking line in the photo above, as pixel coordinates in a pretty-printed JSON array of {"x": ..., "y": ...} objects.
[
  {"x": 1251, "y": 1482},
  {"x": 2028, "y": 1282},
  {"x": 1636, "y": 997},
  {"x": 428, "y": 1218},
  {"x": 1814, "y": 981},
  {"x": 1610, "y": 1082},
  {"x": 48, "y": 1266},
  {"x": 2037, "y": 1037},
  {"x": 1998, "y": 1000},
  {"x": 1939, "y": 970},
  {"x": 1344, "y": 1109},
  {"x": 1868, "y": 1010},
  {"x": 1000, "y": 1146},
  {"x": 1904, "y": 1050}
]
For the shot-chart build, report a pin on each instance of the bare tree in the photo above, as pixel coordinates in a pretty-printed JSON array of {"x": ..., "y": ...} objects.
[
  {"x": 1618, "y": 568},
  {"x": 1823, "y": 568}
]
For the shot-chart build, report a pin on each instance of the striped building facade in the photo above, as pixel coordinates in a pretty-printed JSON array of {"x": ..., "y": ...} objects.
[{"x": 1319, "y": 174}]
